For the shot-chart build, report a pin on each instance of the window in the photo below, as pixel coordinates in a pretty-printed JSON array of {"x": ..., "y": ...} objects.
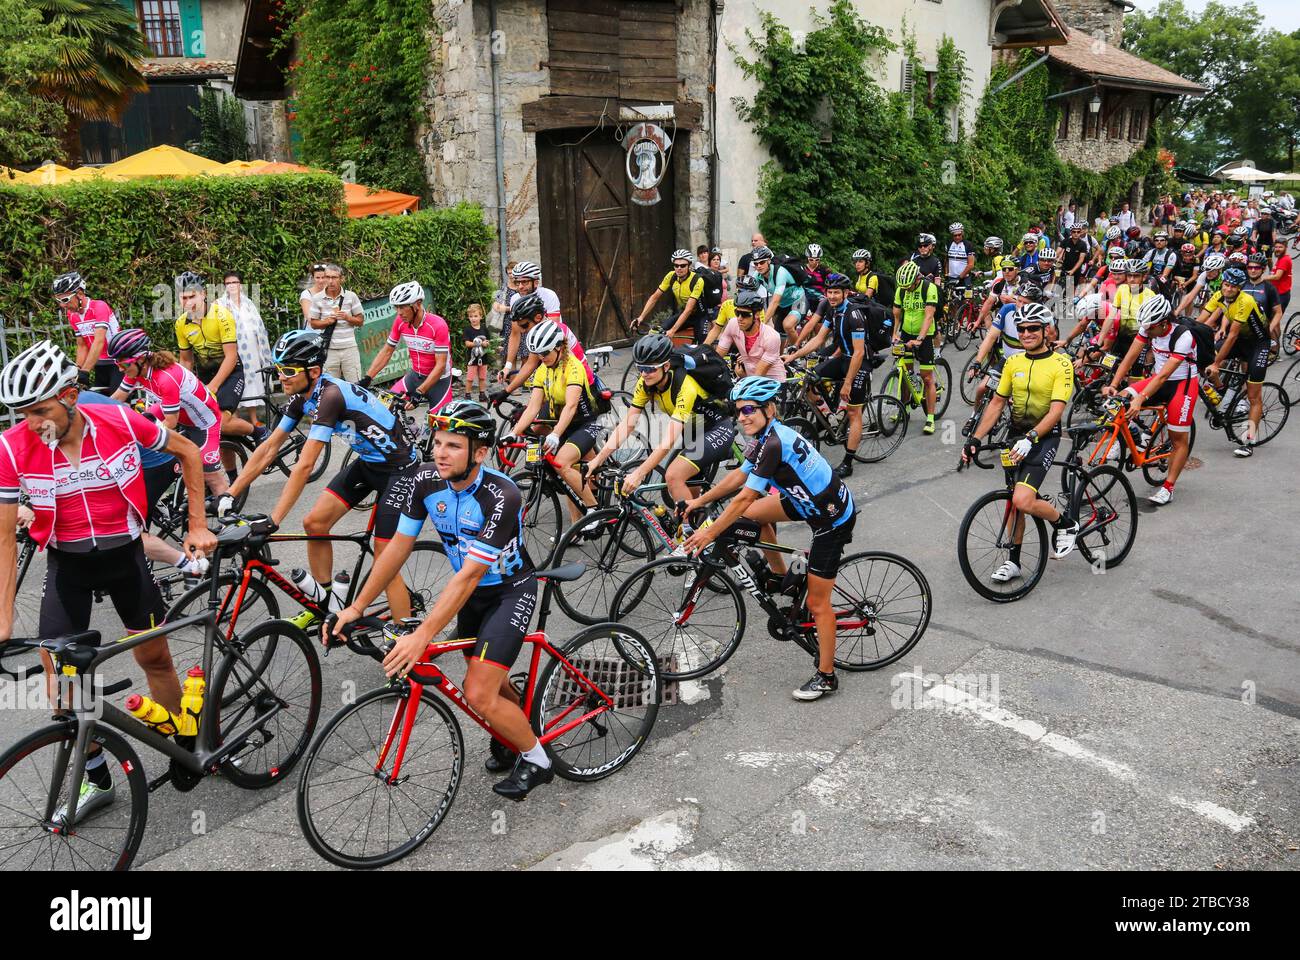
[
  {"x": 931, "y": 77},
  {"x": 161, "y": 22},
  {"x": 1114, "y": 118},
  {"x": 1137, "y": 124},
  {"x": 1063, "y": 131}
]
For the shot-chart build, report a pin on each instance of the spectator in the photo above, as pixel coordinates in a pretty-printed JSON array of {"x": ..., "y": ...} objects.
[
  {"x": 1125, "y": 217},
  {"x": 701, "y": 258},
  {"x": 742, "y": 266},
  {"x": 1100, "y": 225},
  {"x": 476, "y": 347},
  {"x": 1281, "y": 275},
  {"x": 314, "y": 286},
  {"x": 718, "y": 265},
  {"x": 336, "y": 312},
  {"x": 254, "y": 346}
]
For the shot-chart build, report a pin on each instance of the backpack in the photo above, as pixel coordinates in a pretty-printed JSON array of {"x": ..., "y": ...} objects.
[
  {"x": 1204, "y": 339},
  {"x": 886, "y": 287},
  {"x": 711, "y": 298},
  {"x": 710, "y": 371},
  {"x": 879, "y": 321},
  {"x": 794, "y": 266}
]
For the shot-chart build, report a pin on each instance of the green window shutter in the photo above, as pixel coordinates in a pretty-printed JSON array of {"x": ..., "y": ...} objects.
[
  {"x": 192, "y": 37},
  {"x": 129, "y": 4}
]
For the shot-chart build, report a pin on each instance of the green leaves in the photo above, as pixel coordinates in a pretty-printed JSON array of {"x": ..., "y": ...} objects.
[{"x": 31, "y": 124}]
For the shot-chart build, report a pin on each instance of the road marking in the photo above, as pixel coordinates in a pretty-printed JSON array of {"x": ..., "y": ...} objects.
[
  {"x": 647, "y": 846},
  {"x": 764, "y": 760},
  {"x": 1233, "y": 821}
]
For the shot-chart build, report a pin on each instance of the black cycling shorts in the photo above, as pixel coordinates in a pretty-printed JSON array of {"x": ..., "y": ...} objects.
[
  {"x": 837, "y": 367},
  {"x": 71, "y": 580},
  {"x": 924, "y": 353},
  {"x": 108, "y": 375},
  {"x": 583, "y": 436},
  {"x": 231, "y": 392},
  {"x": 1255, "y": 353},
  {"x": 157, "y": 480},
  {"x": 705, "y": 443},
  {"x": 439, "y": 394},
  {"x": 828, "y": 543},
  {"x": 1032, "y": 470},
  {"x": 360, "y": 478},
  {"x": 497, "y": 619}
]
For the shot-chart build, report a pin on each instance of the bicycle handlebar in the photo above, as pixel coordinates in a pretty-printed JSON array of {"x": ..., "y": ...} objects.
[{"x": 361, "y": 644}]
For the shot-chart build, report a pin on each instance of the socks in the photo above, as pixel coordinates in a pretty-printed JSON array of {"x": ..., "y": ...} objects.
[
  {"x": 1169, "y": 485},
  {"x": 537, "y": 756},
  {"x": 1014, "y": 554},
  {"x": 97, "y": 771}
]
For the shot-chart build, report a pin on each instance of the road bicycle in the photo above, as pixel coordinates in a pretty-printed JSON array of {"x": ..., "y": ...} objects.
[
  {"x": 811, "y": 406},
  {"x": 1101, "y": 499},
  {"x": 1150, "y": 450},
  {"x": 693, "y": 614},
  {"x": 961, "y": 317},
  {"x": 259, "y": 711},
  {"x": 384, "y": 771},
  {"x": 1230, "y": 412},
  {"x": 909, "y": 389}
]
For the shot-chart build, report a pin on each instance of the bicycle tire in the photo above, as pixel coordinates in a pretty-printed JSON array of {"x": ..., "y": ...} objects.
[
  {"x": 893, "y": 389},
  {"x": 1085, "y": 409},
  {"x": 273, "y": 672},
  {"x": 1155, "y": 472},
  {"x": 27, "y": 603},
  {"x": 806, "y": 429},
  {"x": 542, "y": 518},
  {"x": 966, "y": 320},
  {"x": 1095, "y": 498},
  {"x": 292, "y": 450},
  {"x": 884, "y": 426},
  {"x": 623, "y": 545},
  {"x": 1276, "y": 408},
  {"x": 259, "y": 605},
  {"x": 967, "y": 538},
  {"x": 854, "y": 601},
  {"x": 334, "y": 755},
  {"x": 652, "y": 615},
  {"x": 24, "y": 776},
  {"x": 967, "y": 387},
  {"x": 942, "y": 387},
  {"x": 1290, "y": 334},
  {"x": 426, "y": 573},
  {"x": 620, "y": 664},
  {"x": 1289, "y": 381}
]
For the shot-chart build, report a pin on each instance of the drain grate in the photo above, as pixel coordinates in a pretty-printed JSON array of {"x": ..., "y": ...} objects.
[{"x": 622, "y": 682}]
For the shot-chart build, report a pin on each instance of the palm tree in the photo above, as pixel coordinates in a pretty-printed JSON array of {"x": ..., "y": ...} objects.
[{"x": 99, "y": 74}]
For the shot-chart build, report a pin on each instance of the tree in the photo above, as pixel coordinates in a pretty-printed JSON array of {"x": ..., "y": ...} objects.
[
  {"x": 224, "y": 134},
  {"x": 97, "y": 75},
  {"x": 31, "y": 123}
]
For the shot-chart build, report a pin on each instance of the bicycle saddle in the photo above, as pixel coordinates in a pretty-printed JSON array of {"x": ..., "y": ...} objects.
[{"x": 562, "y": 574}]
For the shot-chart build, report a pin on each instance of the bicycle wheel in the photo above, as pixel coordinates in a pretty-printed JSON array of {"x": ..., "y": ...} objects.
[
  {"x": 1086, "y": 407},
  {"x": 894, "y": 389},
  {"x": 806, "y": 429},
  {"x": 1291, "y": 334},
  {"x": 984, "y": 543},
  {"x": 884, "y": 426},
  {"x": 636, "y": 447},
  {"x": 27, "y": 601},
  {"x": 292, "y": 450},
  {"x": 1277, "y": 406},
  {"x": 624, "y": 544},
  {"x": 542, "y": 523},
  {"x": 259, "y": 605},
  {"x": 1156, "y": 472},
  {"x": 961, "y": 334},
  {"x": 942, "y": 387},
  {"x": 425, "y": 573},
  {"x": 106, "y": 840},
  {"x": 966, "y": 386},
  {"x": 1105, "y": 502},
  {"x": 609, "y": 668},
  {"x": 690, "y": 613},
  {"x": 1289, "y": 381},
  {"x": 274, "y": 667},
  {"x": 351, "y": 810},
  {"x": 882, "y": 606}
]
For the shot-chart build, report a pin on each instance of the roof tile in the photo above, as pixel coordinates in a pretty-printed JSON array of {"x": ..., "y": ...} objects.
[{"x": 1101, "y": 60}]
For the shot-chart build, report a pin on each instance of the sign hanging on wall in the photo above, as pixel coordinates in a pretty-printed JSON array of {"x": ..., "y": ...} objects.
[{"x": 647, "y": 147}]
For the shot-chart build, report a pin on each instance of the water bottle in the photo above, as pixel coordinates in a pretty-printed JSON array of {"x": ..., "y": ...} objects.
[
  {"x": 339, "y": 591},
  {"x": 1226, "y": 402},
  {"x": 191, "y": 704},
  {"x": 757, "y": 564},
  {"x": 152, "y": 714},
  {"x": 821, "y": 404},
  {"x": 308, "y": 585},
  {"x": 1210, "y": 394},
  {"x": 795, "y": 576}
]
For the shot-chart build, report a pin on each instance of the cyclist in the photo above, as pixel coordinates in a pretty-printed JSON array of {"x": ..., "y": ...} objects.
[
  {"x": 1281, "y": 275},
  {"x": 961, "y": 257},
  {"x": 1001, "y": 341},
  {"x": 1183, "y": 276},
  {"x": 427, "y": 340},
  {"x": 1208, "y": 282},
  {"x": 385, "y": 459},
  {"x": 817, "y": 276},
  {"x": 1121, "y": 324},
  {"x": 728, "y": 308},
  {"x": 186, "y": 404},
  {"x": 478, "y": 514},
  {"x": 850, "y": 364},
  {"x": 686, "y": 289},
  {"x": 1038, "y": 383},
  {"x": 1161, "y": 260},
  {"x": 757, "y": 345},
  {"x": 81, "y": 469},
  {"x": 785, "y": 305},
  {"x": 932, "y": 269},
  {"x": 208, "y": 343},
  {"x": 1088, "y": 310},
  {"x": 803, "y": 487},
  {"x": 1265, "y": 293},
  {"x": 916, "y": 303},
  {"x": 1173, "y": 383},
  {"x": 1246, "y": 338},
  {"x": 525, "y": 313},
  {"x": 94, "y": 323},
  {"x": 1074, "y": 257},
  {"x": 560, "y": 392},
  {"x": 993, "y": 250},
  {"x": 527, "y": 277},
  {"x": 866, "y": 281},
  {"x": 1002, "y": 290},
  {"x": 695, "y": 417}
]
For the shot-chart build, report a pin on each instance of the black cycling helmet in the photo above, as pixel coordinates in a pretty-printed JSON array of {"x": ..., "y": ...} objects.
[
  {"x": 1032, "y": 292},
  {"x": 747, "y": 282},
  {"x": 745, "y": 300},
  {"x": 1256, "y": 260},
  {"x": 1235, "y": 276},
  {"x": 525, "y": 308},
  {"x": 300, "y": 347},
  {"x": 66, "y": 283},
  {"x": 467, "y": 418},
  {"x": 1133, "y": 249},
  {"x": 652, "y": 349},
  {"x": 837, "y": 281},
  {"x": 760, "y": 253}
]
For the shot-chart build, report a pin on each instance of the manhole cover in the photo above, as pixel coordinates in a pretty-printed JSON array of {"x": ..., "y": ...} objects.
[{"x": 1192, "y": 463}]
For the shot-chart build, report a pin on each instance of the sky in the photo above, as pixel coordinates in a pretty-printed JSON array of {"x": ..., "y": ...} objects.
[{"x": 1283, "y": 15}]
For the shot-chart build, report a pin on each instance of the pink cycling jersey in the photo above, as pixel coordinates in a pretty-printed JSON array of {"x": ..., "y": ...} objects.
[
  {"x": 179, "y": 392},
  {"x": 100, "y": 501},
  {"x": 97, "y": 315},
  {"x": 424, "y": 341}
]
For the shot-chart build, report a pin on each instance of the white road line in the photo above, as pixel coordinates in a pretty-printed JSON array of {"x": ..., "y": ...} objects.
[
  {"x": 1037, "y": 733},
  {"x": 764, "y": 760}
]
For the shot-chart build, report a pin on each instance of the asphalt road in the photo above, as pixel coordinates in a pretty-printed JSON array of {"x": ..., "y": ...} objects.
[{"x": 1145, "y": 717}]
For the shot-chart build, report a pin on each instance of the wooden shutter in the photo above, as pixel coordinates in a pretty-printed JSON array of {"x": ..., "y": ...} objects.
[{"x": 192, "y": 37}]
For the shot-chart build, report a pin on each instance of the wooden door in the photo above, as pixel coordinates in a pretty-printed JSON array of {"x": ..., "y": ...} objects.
[{"x": 600, "y": 253}]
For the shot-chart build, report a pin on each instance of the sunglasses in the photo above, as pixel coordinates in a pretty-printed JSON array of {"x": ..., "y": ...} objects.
[
  {"x": 747, "y": 314},
  {"x": 649, "y": 367},
  {"x": 123, "y": 364},
  {"x": 1030, "y": 328},
  {"x": 1009, "y": 269},
  {"x": 64, "y": 301},
  {"x": 748, "y": 409},
  {"x": 681, "y": 266},
  {"x": 288, "y": 373},
  {"x": 440, "y": 422}
]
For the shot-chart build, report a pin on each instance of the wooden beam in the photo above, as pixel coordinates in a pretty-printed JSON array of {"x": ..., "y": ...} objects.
[
  {"x": 582, "y": 23},
  {"x": 561, "y": 112},
  {"x": 647, "y": 88},
  {"x": 567, "y": 40},
  {"x": 647, "y": 30}
]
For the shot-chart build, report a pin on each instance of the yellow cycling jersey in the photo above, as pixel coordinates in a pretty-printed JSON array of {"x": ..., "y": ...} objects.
[
  {"x": 1244, "y": 310},
  {"x": 207, "y": 337},
  {"x": 688, "y": 400},
  {"x": 1033, "y": 383},
  {"x": 865, "y": 282},
  {"x": 999, "y": 259},
  {"x": 682, "y": 290},
  {"x": 1129, "y": 303},
  {"x": 725, "y": 312},
  {"x": 555, "y": 383}
]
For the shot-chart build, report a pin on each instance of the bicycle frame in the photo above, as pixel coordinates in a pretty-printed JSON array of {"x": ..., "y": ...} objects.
[{"x": 1120, "y": 430}]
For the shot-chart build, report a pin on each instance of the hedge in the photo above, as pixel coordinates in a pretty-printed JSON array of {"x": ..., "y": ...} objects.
[{"x": 129, "y": 238}]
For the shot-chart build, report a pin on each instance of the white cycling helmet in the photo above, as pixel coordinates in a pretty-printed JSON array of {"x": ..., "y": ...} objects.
[
  {"x": 1033, "y": 313},
  {"x": 814, "y": 251},
  {"x": 1113, "y": 233},
  {"x": 1090, "y": 307},
  {"x": 544, "y": 337},
  {"x": 862, "y": 253},
  {"x": 1115, "y": 255},
  {"x": 956, "y": 227},
  {"x": 993, "y": 243},
  {"x": 38, "y": 373},
  {"x": 405, "y": 294},
  {"x": 1215, "y": 261},
  {"x": 681, "y": 253},
  {"x": 527, "y": 270},
  {"x": 1030, "y": 238},
  {"x": 1153, "y": 311}
]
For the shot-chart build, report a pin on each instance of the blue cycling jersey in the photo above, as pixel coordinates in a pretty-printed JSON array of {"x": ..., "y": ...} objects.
[
  {"x": 782, "y": 459},
  {"x": 483, "y": 522},
  {"x": 148, "y": 458},
  {"x": 846, "y": 324},
  {"x": 337, "y": 407}
]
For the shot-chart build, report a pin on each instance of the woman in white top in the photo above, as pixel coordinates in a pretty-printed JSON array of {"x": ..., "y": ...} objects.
[
  {"x": 316, "y": 285},
  {"x": 252, "y": 342}
]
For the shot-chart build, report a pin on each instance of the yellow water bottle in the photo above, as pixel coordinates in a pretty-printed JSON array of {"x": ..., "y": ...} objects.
[
  {"x": 153, "y": 714},
  {"x": 1210, "y": 393},
  {"x": 191, "y": 702}
]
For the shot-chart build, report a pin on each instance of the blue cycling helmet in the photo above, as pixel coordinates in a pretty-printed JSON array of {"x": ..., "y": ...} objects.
[
  {"x": 1235, "y": 276},
  {"x": 757, "y": 389},
  {"x": 837, "y": 281}
]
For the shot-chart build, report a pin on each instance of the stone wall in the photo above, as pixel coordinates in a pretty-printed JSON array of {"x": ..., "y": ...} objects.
[
  {"x": 1094, "y": 16},
  {"x": 693, "y": 187}
]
